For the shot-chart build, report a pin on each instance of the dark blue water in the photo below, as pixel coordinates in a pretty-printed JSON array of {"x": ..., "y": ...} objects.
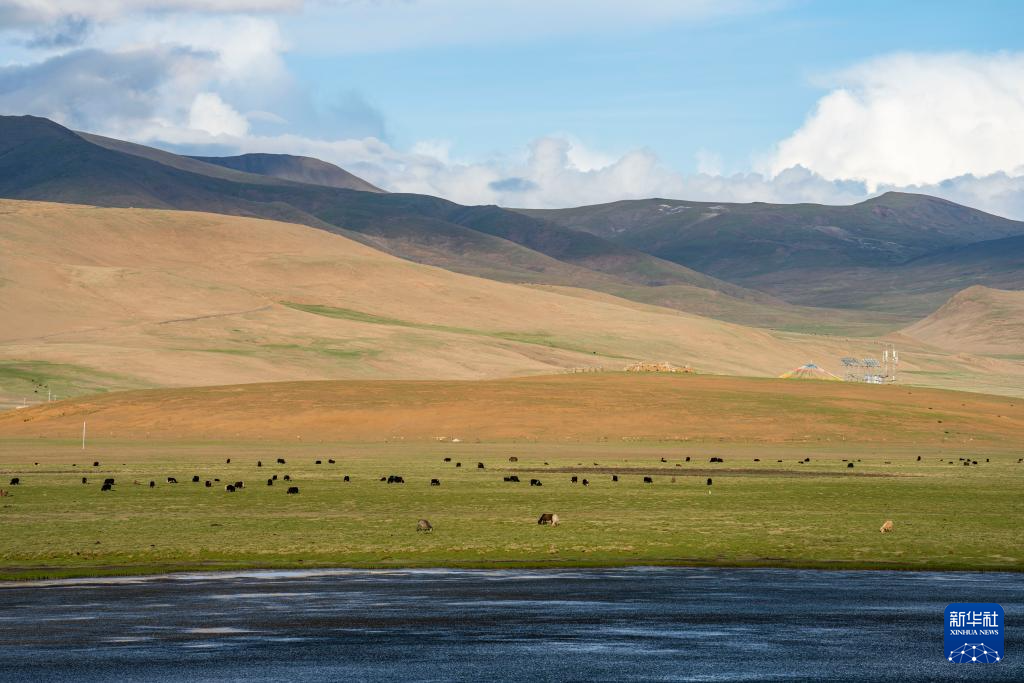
[{"x": 573, "y": 625}]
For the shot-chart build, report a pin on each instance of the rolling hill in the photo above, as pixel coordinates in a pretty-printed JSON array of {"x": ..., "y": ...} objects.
[
  {"x": 586, "y": 408},
  {"x": 97, "y": 299},
  {"x": 814, "y": 255},
  {"x": 976, "y": 320},
  {"x": 298, "y": 169},
  {"x": 864, "y": 270},
  {"x": 43, "y": 161}
]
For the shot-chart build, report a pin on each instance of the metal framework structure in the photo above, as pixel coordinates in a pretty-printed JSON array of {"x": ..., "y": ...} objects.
[{"x": 871, "y": 370}]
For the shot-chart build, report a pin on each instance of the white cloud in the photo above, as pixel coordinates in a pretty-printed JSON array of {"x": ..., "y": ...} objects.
[
  {"x": 210, "y": 114},
  {"x": 915, "y": 119}
]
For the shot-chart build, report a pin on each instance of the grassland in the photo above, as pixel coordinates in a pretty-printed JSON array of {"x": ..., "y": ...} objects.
[
  {"x": 767, "y": 507},
  {"x": 767, "y": 513}
]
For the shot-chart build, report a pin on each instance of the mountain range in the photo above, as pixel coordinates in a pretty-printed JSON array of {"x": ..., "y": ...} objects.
[
  {"x": 800, "y": 267},
  {"x": 125, "y": 266}
]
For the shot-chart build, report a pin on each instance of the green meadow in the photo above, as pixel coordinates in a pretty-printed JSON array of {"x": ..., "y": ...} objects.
[{"x": 820, "y": 513}]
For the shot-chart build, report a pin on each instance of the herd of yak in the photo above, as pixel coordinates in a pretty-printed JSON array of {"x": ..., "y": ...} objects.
[{"x": 424, "y": 525}]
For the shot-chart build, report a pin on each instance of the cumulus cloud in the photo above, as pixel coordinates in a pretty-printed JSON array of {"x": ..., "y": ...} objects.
[
  {"x": 210, "y": 114},
  {"x": 915, "y": 119},
  {"x": 114, "y": 93},
  {"x": 948, "y": 125}
]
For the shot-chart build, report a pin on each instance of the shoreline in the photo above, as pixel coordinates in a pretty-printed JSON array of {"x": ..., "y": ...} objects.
[{"x": 24, "y": 576}]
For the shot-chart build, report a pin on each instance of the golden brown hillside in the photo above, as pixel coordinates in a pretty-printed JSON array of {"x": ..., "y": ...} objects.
[
  {"x": 95, "y": 299},
  {"x": 586, "y": 407},
  {"x": 976, "y": 320}
]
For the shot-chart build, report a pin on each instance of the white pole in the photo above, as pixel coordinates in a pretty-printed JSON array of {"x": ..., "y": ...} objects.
[{"x": 83, "y": 434}]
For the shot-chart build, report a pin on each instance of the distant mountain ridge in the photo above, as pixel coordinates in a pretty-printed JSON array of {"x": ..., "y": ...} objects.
[
  {"x": 296, "y": 168},
  {"x": 42, "y": 160},
  {"x": 873, "y": 266},
  {"x": 861, "y": 256}
]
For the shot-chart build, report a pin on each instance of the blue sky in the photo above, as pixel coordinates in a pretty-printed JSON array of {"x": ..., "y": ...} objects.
[
  {"x": 730, "y": 85},
  {"x": 552, "y": 103}
]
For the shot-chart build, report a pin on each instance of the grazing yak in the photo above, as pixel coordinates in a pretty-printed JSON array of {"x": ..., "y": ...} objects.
[
  {"x": 239, "y": 485},
  {"x": 435, "y": 482},
  {"x": 274, "y": 477},
  {"x": 95, "y": 463},
  {"x": 709, "y": 481},
  {"x": 259, "y": 463},
  {"x": 548, "y": 518},
  {"x": 849, "y": 465},
  {"x": 85, "y": 480},
  {"x": 458, "y": 464},
  {"x": 287, "y": 477},
  {"x": 229, "y": 488},
  {"x": 280, "y": 461},
  {"x": 586, "y": 483},
  {"x": 479, "y": 465},
  {"x": 615, "y": 477},
  {"x": 447, "y": 459},
  {"x": 209, "y": 484},
  {"x": 270, "y": 482},
  {"x": 512, "y": 478},
  {"x": 513, "y": 459},
  {"x": 648, "y": 480},
  {"x": 346, "y": 478},
  {"x": 574, "y": 479},
  {"x": 424, "y": 525},
  {"x": 395, "y": 479},
  {"x": 292, "y": 490},
  {"x": 330, "y": 462},
  {"x": 687, "y": 458},
  {"x": 172, "y": 480},
  {"x": 887, "y": 527},
  {"x": 195, "y": 478},
  {"x": 152, "y": 484},
  {"x": 228, "y": 461},
  {"x": 535, "y": 482},
  {"x": 106, "y": 487},
  {"x": 318, "y": 462},
  {"x": 15, "y": 481},
  {"x": 109, "y": 480}
]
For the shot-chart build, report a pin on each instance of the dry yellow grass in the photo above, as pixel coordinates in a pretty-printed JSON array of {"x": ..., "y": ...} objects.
[
  {"x": 977, "y": 320},
  {"x": 587, "y": 408},
  {"x": 124, "y": 298}
]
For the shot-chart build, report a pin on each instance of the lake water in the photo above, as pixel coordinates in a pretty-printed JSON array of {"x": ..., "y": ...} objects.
[{"x": 650, "y": 624}]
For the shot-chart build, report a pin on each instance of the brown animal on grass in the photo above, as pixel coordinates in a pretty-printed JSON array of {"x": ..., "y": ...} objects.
[
  {"x": 887, "y": 527},
  {"x": 424, "y": 525},
  {"x": 548, "y": 518}
]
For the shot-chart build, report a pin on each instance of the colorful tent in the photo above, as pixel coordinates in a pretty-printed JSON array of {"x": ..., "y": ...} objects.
[{"x": 810, "y": 371}]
